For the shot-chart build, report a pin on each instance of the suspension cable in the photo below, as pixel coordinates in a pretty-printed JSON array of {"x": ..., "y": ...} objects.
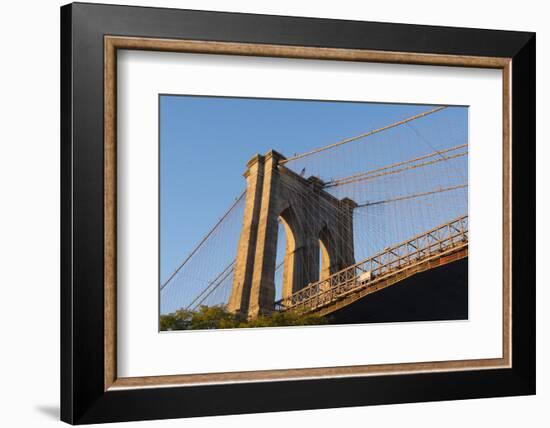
[{"x": 357, "y": 137}]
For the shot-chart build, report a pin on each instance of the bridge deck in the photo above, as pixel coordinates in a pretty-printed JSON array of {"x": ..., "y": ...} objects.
[
  {"x": 436, "y": 247},
  {"x": 357, "y": 293}
]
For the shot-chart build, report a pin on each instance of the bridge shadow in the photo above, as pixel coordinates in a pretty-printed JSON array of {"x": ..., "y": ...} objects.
[{"x": 439, "y": 294}]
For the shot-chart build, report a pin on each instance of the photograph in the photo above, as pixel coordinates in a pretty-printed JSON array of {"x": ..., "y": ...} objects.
[
  {"x": 297, "y": 212},
  {"x": 264, "y": 212}
]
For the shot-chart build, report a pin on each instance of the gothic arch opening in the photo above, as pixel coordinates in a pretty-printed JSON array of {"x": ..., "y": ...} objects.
[
  {"x": 290, "y": 268},
  {"x": 280, "y": 258},
  {"x": 326, "y": 251}
]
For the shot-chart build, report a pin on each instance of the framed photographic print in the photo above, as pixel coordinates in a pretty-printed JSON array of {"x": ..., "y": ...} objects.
[{"x": 265, "y": 213}]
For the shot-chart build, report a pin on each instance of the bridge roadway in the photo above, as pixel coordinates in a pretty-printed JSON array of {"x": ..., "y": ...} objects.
[{"x": 442, "y": 245}]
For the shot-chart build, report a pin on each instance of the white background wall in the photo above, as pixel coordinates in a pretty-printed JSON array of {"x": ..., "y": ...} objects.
[{"x": 29, "y": 212}]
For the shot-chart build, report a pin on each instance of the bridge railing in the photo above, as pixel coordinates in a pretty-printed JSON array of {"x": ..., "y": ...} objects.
[{"x": 438, "y": 240}]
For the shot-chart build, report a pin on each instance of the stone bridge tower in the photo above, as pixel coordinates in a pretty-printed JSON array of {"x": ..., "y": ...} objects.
[{"x": 314, "y": 221}]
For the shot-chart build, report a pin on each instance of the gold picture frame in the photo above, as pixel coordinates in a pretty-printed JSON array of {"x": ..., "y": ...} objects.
[{"x": 114, "y": 43}]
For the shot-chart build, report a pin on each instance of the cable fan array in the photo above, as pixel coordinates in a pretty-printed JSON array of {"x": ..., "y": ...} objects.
[{"x": 204, "y": 277}]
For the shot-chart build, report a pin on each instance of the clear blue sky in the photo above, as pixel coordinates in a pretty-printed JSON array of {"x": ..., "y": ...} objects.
[{"x": 205, "y": 143}]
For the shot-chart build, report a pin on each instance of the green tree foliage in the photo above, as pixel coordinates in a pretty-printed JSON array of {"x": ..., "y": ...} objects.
[
  {"x": 216, "y": 317},
  {"x": 179, "y": 320}
]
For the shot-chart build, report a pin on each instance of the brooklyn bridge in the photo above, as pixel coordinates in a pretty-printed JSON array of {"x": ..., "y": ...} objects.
[{"x": 319, "y": 231}]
